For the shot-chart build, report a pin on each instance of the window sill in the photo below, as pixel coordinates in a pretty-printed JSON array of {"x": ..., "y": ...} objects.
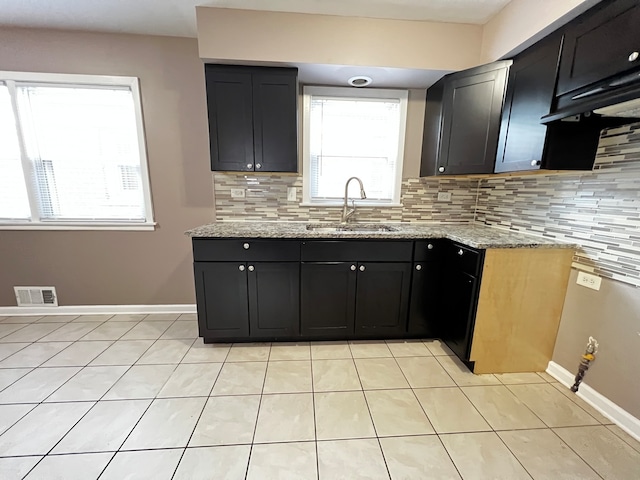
[
  {"x": 77, "y": 226},
  {"x": 358, "y": 205}
]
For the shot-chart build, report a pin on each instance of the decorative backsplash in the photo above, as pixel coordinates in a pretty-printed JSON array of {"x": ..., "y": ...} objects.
[
  {"x": 598, "y": 210},
  {"x": 266, "y": 199}
]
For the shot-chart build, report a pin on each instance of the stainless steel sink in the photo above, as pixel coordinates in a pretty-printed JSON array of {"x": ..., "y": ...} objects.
[{"x": 349, "y": 228}]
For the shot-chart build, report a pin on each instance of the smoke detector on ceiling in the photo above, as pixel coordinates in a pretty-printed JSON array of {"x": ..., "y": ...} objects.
[{"x": 360, "y": 81}]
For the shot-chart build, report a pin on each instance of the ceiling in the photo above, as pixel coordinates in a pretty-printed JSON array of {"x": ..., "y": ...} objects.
[{"x": 177, "y": 17}]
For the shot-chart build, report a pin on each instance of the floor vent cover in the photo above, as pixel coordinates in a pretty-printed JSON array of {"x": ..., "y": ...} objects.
[{"x": 36, "y": 296}]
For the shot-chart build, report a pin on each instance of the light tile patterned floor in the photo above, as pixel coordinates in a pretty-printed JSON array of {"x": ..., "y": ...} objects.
[{"x": 135, "y": 396}]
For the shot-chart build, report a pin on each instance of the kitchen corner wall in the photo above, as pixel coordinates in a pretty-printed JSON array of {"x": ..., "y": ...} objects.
[{"x": 600, "y": 211}]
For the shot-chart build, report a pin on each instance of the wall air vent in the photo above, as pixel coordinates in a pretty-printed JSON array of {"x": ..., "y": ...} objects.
[{"x": 36, "y": 296}]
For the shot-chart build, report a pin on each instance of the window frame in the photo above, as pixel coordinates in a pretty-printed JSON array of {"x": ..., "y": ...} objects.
[
  {"x": 351, "y": 92},
  {"x": 9, "y": 79}
]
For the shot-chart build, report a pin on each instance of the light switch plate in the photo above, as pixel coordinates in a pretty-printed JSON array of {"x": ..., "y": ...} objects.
[
  {"x": 444, "y": 196},
  {"x": 590, "y": 281},
  {"x": 237, "y": 193},
  {"x": 292, "y": 194}
]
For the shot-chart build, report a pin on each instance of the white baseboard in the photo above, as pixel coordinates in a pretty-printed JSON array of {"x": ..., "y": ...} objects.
[
  {"x": 96, "y": 309},
  {"x": 618, "y": 415}
]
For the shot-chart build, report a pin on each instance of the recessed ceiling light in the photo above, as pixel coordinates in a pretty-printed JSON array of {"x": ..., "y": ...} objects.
[{"x": 360, "y": 81}]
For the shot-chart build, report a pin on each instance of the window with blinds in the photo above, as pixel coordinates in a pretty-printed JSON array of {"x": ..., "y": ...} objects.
[
  {"x": 72, "y": 151},
  {"x": 353, "y": 133}
]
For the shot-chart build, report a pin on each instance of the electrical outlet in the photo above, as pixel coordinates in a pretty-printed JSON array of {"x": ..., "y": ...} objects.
[
  {"x": 590, "y": 281},
  {"x": 237, "y": 193},
  {"x": 292, "y": 194},
  {"x": 444, "y": 196}
]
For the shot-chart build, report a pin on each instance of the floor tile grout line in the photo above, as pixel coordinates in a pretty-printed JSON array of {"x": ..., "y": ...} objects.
[
  {"x": 255, "y": 427},
  {"x": 313, "y": 407},
  {"x": 450, "y": 457},
  {"x": 513, "y": 455},
  {"x": 574, "y": 451}
]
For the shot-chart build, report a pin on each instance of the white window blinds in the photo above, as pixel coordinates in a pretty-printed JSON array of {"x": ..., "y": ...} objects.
[{"x": 354, "y": 137}]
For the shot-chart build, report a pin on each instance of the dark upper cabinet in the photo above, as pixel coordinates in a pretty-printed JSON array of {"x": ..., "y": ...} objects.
[
  {"x": 462, "y": 121},
  {"x": 252, "y": 118},
  {"x": 530, "y": 91},
  {"x": 599, "y": 44}
]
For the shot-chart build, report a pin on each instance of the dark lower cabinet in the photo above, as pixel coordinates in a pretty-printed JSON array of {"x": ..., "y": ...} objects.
[
  {"x": 247, "y": 300},
  {"x": 424, "y": 319},
  {"x": 274, "y": 299},
  {"x": 382, "y": 298},
  {"x": 222, "y": 299},
  {"x": 347, "y": 299},
  {"x": 460, "y": 289},
  {"x": 328, "y": 292}
]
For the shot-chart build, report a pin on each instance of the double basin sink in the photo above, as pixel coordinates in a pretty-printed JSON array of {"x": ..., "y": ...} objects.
[{"x": 349, "y": 228}]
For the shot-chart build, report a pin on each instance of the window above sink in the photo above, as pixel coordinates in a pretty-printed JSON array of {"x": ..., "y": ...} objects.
[{"x": 353, "y": 132}]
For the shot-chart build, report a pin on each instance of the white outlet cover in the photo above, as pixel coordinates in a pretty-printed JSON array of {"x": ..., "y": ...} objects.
[
  {"x": 444, "y": 196},
  {"x": 237, "y": 193},
  {"x": 588, "y": 280}
]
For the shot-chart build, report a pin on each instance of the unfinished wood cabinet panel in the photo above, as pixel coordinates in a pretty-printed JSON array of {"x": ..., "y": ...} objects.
[{"x": 519, "y": 309}]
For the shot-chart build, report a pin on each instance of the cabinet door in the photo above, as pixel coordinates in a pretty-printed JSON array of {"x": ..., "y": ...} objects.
[
  {"x": 229, "y": 101},
  {"x": 382, "y": 298},
  {"x": 274, "y": 292},
  {"x": 275, "y": 129},
  {"x": 599, "y": 43},
  {"x": 222, "y": 299},
  {"x": 424, "y": 318},
  {"x": 458, "y": 311},
  {"x": 529, "y": 95},
  {"x": 328, "y": 292},
  {"x": 472, "y": 105}
]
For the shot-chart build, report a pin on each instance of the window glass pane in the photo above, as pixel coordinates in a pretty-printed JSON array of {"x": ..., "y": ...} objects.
[
  {"x": 14, "y": 203},
  {"x": 353, "y": 137},
  {"x": 84, "y": 146}
]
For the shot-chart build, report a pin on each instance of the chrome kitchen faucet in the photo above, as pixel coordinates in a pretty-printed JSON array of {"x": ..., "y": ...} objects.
[{"x": 346, "y": 213}]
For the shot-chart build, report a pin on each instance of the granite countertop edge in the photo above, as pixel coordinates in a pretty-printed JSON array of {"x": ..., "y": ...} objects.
[{"x": 476, "y": 236}]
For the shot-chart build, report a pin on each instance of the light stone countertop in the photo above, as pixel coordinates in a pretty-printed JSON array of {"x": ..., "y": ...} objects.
[{"x": 476, "y": 236}]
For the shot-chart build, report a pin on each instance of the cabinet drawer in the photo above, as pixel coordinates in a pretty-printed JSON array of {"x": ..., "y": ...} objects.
[
  {"x": 350, "y": 251},
  {"x": 223, "y": 250},
  {"x": 425, "y": 250},
  {"x": 466, "y": 259}
]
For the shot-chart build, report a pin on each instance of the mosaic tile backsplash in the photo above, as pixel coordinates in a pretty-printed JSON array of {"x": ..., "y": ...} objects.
[
  {"x": 266, "y": 199},
  {"x": 598, "y": 210}
]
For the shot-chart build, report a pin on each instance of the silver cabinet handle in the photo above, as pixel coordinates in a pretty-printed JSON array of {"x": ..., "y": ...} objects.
[
  {"x": 460, "y": 252},
  {"x": 535, "y": 163},
  {"x": 353, "y": 268},
  {"x": 430, "y": 246},
  {"x": 250, "y": 165},
  {"x": 251, "y": 268},
  {"x": 362, "y": 268},
  {"x": 418, "y": 267},
  {"x": 245, "y": 246},
  {"x": 258, "y": 165},
  {"x": 241, "y": 268},
  {"x": 441, "y": 169},
  {"x": 633, "y": 56}
]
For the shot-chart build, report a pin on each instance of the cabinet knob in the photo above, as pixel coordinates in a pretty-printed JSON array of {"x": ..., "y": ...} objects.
[
  {"x": 430, "y": 246},
  {"x": 353, "y": 268},
  {"x": 418, "y": 267},
  {"x": 460, "y": 252},
  {"x": 535, "y": 163},
  {"x": 251, "y": 268},
  {"x": 633, "y": 56},
  {"x": 245, "y": 246},
  {"x": 241, "y": 268},
  {"x": 250, "y": 166},
  {"x": 362, "y": 268},
  {"x": 441, "y": 169},
  {"x": 258, "y": 165}
]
